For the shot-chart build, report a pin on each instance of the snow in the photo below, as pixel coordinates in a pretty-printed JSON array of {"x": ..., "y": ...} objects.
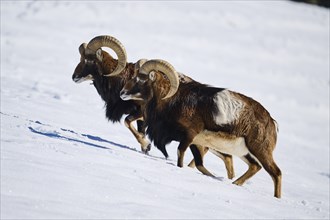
[{"x": 61, "y": 159}]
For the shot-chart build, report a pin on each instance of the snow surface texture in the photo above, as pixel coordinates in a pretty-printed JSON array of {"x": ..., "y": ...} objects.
[{"x": 60, "y": 157}]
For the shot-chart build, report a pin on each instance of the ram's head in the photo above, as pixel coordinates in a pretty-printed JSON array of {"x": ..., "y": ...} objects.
[
  {"x": 94, "y": 61},
  {"x": 152, "y": 73}
]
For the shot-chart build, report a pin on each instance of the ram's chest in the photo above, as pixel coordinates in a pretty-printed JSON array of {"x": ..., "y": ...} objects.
[{"x": 222, "y": 142}]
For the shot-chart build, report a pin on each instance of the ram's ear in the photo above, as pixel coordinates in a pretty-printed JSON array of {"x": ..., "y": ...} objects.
[
  {"x": 82, "y": 49},
  {"x": 152, "y": 75},
  {"x": 99, "y": 55}
]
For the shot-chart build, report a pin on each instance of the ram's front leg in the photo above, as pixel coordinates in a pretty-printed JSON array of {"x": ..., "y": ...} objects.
[
  {"x": 198, "y": 152},
  {"x": 228, "y": 160},
  {"x": 140, "y": 137},
  {"x": 202, "y": 151},
  {"x": 142, "y": 130},
  {"x": 184, "y": 144}
]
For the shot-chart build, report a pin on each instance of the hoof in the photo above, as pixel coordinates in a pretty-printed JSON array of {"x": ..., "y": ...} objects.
[
  {"x": 238, "y": 183},
  {"x": 146, "y": 149},
  {"x": 180, "y": 165}
]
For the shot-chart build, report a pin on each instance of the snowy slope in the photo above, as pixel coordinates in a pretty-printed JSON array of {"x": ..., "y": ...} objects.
[{"x": 60, "y": 157}]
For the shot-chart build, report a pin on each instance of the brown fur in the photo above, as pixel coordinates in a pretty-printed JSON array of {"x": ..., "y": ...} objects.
[
  {"x": 105, "y": 84},
  {"x": 191, "y": 109},
  {"x": 159, "y": 88}
]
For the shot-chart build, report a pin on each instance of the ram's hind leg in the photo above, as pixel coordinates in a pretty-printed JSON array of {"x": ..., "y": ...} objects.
[
  {"x": 228, "y": 160},
  {"x": 274, "y": 171},
  {"x": 198, "y": 152},
  {"x": 140, "y": 137},
  {"x": 265, "y": 157},
  {"x": 254, "y": 167}
]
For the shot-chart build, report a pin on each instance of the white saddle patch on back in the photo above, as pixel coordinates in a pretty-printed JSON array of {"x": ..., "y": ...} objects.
[{"x": 229, "y": 108}]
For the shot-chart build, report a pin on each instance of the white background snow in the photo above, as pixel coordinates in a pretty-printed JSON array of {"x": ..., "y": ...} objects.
[{"x": 61, "y": 159}]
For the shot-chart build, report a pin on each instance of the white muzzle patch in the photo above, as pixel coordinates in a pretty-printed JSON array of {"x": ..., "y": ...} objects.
[
  {"x": 126, "y": 97},
  {"x": 83, "y": 79}
]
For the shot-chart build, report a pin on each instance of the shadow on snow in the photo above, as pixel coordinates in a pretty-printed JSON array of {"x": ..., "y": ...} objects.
[{"x": 91, "y": 137}]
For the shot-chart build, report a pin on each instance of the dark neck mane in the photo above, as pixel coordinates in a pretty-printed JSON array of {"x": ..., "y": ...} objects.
[{"x": 109, "y": 89}]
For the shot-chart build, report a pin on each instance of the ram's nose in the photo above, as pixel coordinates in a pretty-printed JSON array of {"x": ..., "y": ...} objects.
[{"x": 76, "y": 79}]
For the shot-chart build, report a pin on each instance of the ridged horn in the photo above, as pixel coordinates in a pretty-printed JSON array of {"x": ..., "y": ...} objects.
[
  {"x": 166, "y": 68},
  {"x": 138, "y": 65},
  {"x": 112, "y": 43}
]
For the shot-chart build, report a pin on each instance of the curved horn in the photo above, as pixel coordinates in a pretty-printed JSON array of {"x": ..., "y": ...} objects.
[
  {"x": 167, "y": 69},
  {"x": 82, "y": 48},
  {"x": 112, "y": 43},
  {"x": 138, "y": 65}
]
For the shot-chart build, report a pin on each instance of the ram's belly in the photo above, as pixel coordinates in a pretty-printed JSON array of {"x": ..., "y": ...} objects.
[{"x": 221, "y": 142}]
